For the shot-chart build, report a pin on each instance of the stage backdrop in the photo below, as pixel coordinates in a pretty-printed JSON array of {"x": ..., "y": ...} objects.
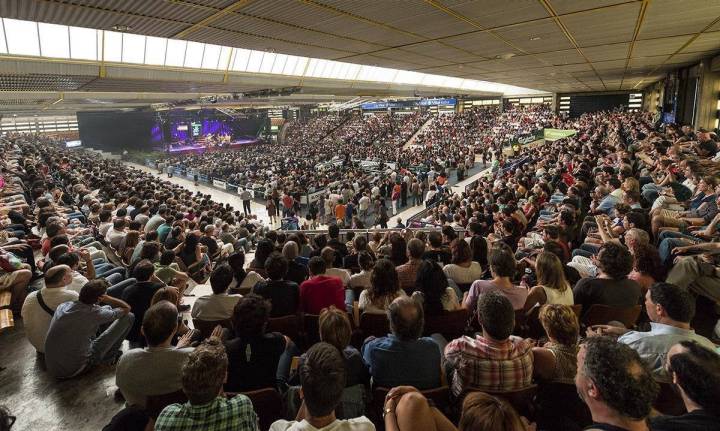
[{"x": 116, "y": 131}]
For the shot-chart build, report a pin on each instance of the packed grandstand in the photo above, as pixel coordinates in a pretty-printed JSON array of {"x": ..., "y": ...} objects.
[{"x": 583, "y": 265}]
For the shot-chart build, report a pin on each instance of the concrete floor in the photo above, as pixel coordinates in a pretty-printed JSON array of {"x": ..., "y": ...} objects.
[{"x": 43, "y": 403}]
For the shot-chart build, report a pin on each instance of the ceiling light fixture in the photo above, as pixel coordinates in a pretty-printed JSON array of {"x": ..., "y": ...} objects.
[
  {"x": 505, "y": 56},
  {"x": 121, "y": 27},
  {"x": 535, "y": 38}
]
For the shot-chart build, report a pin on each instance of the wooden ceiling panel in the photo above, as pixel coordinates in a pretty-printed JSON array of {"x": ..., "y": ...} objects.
[
  {"x": 673, "y": 17},
  {"x": 494, "y": 13},
  {"x": 572, "y": 6},
  {"x": 550, "y": 36},
  {"x": 603, "y": 26},
  {"x": 613, "y": 51}
]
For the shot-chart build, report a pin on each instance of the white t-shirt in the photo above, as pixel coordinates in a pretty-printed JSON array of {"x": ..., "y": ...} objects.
[
  {"x": 356, "y": 424},
  {"x": 78, "y": 281},
  {"x": 37, "y": 320},
  {"x": 214, "y": 307},
  {"x": 342, "y": 274}
]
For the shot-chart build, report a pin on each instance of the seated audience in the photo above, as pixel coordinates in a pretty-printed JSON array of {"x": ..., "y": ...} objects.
[
  {"x": 432, "y": 289},
  {"x": 203, "y": 376},
  {"x": 463, "y": 270},
  {"x": 257, "y": 359},
  {"x": 219, "y": 305},
  {"x": 615, "y": 384},
  {"x": 320, "y": 291},
  {"x": 556, "y": 360},
  {"x": 695, "y": 372},
  {"x": 384, "y": 288},
  {"x": 552, "y": 288},
  {"x": 670, "y": 309},
  {"x": 322, "y": 381},
  {"x": 495, "y": 360},
  {"x": 502, "y": 269},
  {"x": 611, "y": 287},
  {"x": 404, "y": 357},
  {"x": 40, "y": 305},
  {"x": 156, "y": 369},
  {"x": 74, "y": 343},
  {"x": 407, "y": 272},
  {"x": 282, "y": 294}
]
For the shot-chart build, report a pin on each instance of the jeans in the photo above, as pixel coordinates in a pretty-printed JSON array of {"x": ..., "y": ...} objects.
[
  {"x": 104, "y": 270},
  {"x": 349, "y": 300},
  {"x": 116, "y": 290},
  {"x": 283, "y": 370},
  {"x": 105, "y": 347},
  {"x": 669, "y": 240},
  {"x": 651, "y": 191}
]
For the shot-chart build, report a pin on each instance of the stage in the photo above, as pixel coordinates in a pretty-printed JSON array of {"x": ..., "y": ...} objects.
[{"x": 201, "y": 146}]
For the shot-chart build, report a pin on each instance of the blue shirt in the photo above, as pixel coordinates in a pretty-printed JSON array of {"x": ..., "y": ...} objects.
[
  {"x": 653, "y": 345},
  {"x": 394, "y": 362},
  {"x": 607, "y": 204},
  {"x": 72, "y": 329}
]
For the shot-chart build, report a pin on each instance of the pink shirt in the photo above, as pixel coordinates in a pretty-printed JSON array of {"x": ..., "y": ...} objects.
[{"x": 516, "y": 294}]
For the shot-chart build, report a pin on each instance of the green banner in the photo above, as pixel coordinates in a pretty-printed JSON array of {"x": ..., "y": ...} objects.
[{"x": 555, "y": 134}]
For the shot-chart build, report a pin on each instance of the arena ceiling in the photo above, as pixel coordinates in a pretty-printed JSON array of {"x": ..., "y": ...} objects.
[{"x": 548, "y": 45}]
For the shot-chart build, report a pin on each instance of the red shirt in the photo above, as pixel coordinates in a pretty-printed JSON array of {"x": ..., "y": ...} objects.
[{"x": 321, "y": 292}]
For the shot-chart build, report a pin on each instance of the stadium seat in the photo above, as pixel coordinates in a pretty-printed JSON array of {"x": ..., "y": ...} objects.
[
  {"x": 451, "y": 324},
  {"x": 374, "y": 324},
  {"x": 599, "y": 314},
  {"x": 207, "y": 326},
  {"x": 267, "y": 403},
  {"x": 286, "y": 325},
  {"x": 156, "y": 403}
]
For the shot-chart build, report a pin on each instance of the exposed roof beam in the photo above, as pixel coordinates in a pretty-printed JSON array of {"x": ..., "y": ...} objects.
[{"x": 214, "y": 17}]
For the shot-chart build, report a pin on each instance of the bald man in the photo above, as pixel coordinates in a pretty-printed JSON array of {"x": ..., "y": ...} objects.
[{"x": 404, "y": 357}]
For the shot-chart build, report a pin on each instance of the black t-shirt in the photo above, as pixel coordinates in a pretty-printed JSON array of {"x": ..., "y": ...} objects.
[
  {"x": 138, "y": 296},
  {"x": 699, "y": 420},
  {"x": 621, "y": 293},
  {"x": 296, "y": 272},
  {"x": 440, "y": 256},
  {"x": 283, "y": 294},
  {"x": 253, "y": 362},
  {"x": 211, "y": 245}
]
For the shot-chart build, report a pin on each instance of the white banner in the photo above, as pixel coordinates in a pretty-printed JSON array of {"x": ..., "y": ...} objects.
[
  {"x": 312, "y": 197},
  {"x": 218, "y": 183}
]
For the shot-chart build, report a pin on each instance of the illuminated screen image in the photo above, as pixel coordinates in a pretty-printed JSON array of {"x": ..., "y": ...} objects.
[
  {"x": 182, "y": 127},
  {"x": 72, "y": 144},
  {"x": 196, "y": 128}
]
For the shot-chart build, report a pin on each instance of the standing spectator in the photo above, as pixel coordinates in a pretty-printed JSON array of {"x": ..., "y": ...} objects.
[
  {"x": 246, "y": 196},
  {"x": 73, "y": 345}
]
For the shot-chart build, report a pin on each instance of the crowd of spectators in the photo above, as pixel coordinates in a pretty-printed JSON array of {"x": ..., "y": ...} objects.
[{"x": 620, "y": 216}]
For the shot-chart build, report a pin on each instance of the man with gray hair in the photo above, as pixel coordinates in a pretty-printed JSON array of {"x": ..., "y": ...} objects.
[{"x": 404, "y": 357}]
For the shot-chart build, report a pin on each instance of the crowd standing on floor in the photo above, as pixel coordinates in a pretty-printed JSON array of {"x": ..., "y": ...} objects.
[{"x": 558, "y": 293}]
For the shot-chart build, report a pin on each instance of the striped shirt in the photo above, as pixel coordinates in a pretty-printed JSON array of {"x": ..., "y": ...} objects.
[{"x": 481, "y": 364}]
